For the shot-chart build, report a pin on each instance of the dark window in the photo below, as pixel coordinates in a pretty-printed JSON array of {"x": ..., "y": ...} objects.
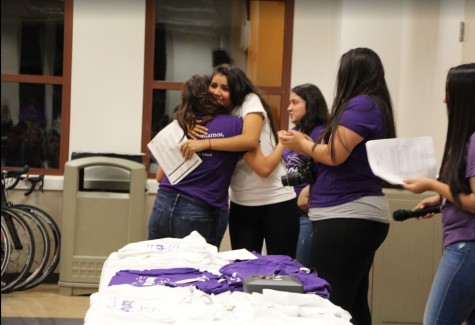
[
  {"x": 36, "y": 52},
  {"x": 188, "y": 37}
]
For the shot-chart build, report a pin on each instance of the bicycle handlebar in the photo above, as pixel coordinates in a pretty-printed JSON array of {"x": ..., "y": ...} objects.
[
  {"x": 34, "y": 181},
  {"x": 16, "y": 174}
]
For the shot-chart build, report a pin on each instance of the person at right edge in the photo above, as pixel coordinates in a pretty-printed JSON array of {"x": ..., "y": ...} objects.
[
  {"x": 452, "y": 296},
  {"x": 347, "y": 206}
]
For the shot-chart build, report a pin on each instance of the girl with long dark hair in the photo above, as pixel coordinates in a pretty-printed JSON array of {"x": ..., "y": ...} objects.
[
  {"x": 347, "y": 206},
  {"x": 452, "y": 296},
  {"x": 308, "y": 111}
]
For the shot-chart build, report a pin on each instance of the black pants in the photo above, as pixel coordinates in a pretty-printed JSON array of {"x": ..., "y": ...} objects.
[
  {"x": 342, "y": 253},
  {"x": 277, "y": 223}
]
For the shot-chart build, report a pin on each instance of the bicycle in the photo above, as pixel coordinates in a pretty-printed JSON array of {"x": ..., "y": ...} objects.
[
  {"x": 18, "y": 247},
  {"x": 46, "y": 231}
]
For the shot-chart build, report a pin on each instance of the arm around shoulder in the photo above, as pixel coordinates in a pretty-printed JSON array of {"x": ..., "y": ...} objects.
[{"x": 247, "y": 140}]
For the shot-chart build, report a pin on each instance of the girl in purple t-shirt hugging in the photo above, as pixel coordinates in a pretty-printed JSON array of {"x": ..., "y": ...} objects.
[
  {"x": 347, "y": 206},
  {"x": 199, "y": 201},
  {"x": 452, "y": 296}
]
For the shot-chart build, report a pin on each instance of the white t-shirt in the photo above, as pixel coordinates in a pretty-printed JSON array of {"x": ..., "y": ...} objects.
[{"x": 248, "y": 188}]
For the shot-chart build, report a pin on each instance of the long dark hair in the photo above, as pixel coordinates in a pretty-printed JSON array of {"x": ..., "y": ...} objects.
[
  {"x": 240, "y": 86},
  {"x": 361, "y": 72},
  {"x": 460, "y": 97},
  {"x": 197, "y": 103},
  {"x": 316, "y": 109}
]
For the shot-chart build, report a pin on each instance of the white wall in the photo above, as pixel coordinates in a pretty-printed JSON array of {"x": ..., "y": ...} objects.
[
  {"x": 469, "y": 35},
  {"x": 107, "y": 76},
  {"x": 416, "y": 39}
]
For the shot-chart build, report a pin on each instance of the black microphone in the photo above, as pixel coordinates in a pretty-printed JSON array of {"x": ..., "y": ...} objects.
[{"x": 401, "y": 214}]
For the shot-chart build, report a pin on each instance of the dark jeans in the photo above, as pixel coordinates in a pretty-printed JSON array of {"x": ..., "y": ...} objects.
[
  {"x": 277, "y": 223},
  {"x": 342, "y": 253},
  {"x": 177, "y": 215}
]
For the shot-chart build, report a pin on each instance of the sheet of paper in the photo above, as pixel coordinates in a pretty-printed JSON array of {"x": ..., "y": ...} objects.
[
  {"x": 394, "y": 160},
  {"x": 165, "y": 147},
  {"x": 237, "y": 254}
]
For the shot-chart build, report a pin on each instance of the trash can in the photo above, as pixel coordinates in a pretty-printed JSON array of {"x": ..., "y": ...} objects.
[{"x": 101, "y": 213}]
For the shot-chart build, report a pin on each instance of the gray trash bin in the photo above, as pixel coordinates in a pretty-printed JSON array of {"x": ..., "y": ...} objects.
[{"x": 99, "y": 217}]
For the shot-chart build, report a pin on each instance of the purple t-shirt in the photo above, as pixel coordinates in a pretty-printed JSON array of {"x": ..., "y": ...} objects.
[
  {"x": 353, "y": 179},
  {"x": 459, "y": 225},
  {"x": 278, "y": 265},
  {"x": 174, "y": 277},
  {"x": 209, "y": 182},
  {"x": 293, "y": 160}
]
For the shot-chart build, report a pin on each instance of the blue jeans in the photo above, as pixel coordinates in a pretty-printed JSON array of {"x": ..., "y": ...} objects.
[
  {"x": 452, "y": 296},
  {"x": 304, "y": 244},
  {"x": 177, "y": 215}
]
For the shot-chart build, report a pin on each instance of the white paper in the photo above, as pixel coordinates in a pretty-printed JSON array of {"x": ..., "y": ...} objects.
[
  {"x": 394, "y": 160},
  {"x": 237, "y": 254},
  {"x": 165, "y": 147}
]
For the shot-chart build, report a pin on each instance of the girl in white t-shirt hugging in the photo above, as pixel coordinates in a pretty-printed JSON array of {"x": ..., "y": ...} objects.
[{"x": 261, "y": 207}]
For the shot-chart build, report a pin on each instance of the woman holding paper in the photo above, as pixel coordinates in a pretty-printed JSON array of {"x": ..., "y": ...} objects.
[
  {"x": 198, "y": 202},
  {"x": 348, "y": 208},
  {"x": 452, "y": 296}
]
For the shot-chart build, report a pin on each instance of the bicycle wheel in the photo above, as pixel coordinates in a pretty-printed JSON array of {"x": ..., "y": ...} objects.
[
  {"x": 55, "y": 240},
  {"x": 42, "y": 247},
  {"x": 22, "y": 250},
  {"x": 6, "y": 240}
]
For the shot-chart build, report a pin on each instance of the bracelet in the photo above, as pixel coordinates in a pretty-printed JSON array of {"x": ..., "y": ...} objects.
[{"x": 209, "y": 143}]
